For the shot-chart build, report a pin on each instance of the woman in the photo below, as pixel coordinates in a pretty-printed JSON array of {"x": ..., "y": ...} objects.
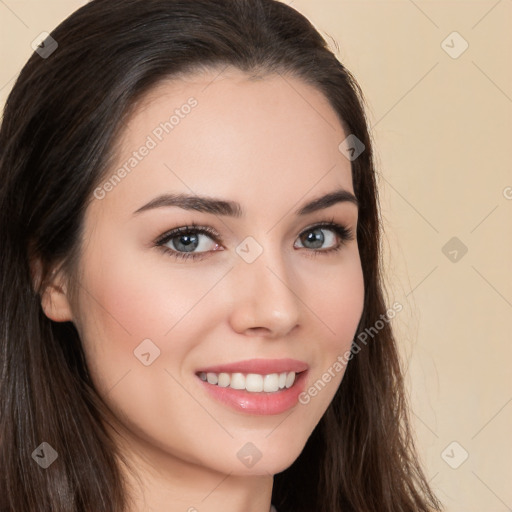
[{"x": 192, "y": 308}]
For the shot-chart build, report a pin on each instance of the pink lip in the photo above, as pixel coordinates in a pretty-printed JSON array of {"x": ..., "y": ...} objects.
[
  {"x": 259, "y": 366},
  {"x": 258, "y": 403}
]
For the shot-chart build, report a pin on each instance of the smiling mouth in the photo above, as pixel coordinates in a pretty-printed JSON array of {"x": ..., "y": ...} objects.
[{"x": 251, "y": 382}]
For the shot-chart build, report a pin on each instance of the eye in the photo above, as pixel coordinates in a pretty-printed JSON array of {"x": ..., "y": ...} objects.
[
  {"x": 315, "y": 237},
  {"x": 183, "y": 241}
]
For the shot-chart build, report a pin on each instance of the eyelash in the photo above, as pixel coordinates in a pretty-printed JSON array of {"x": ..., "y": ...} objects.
[{"x": 344, "y": 233}]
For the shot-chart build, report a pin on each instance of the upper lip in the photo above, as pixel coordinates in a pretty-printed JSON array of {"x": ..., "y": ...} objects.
[{"x": 261, "y": 366}]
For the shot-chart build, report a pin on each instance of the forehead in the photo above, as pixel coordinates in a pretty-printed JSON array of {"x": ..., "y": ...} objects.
[{"x": 259, "y": 141}]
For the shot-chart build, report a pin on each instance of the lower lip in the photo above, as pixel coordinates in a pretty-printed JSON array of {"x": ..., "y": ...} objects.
[{"x": 258, "y": 403}]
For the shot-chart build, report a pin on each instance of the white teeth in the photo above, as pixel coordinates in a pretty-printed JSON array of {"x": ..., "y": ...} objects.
[
  {"x": 237, "y": 381},
  {"x": 212, "y": 378},
  {"x": 224, "y": 380},
  {"x": 271, "y": 382},
  {"x": 253, "y": 382}
]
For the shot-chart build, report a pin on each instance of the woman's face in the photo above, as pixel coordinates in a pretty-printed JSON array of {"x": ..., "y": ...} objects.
[{"x": 266, "y": 296}]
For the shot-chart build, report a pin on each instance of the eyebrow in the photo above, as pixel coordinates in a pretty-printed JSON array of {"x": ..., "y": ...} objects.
[{"x": 234, "y": 209}]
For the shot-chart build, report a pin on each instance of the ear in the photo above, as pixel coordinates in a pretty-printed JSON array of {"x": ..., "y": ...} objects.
[{"x": 54, "y": 298}]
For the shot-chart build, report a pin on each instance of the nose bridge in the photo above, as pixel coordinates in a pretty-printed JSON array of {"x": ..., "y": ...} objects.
[{"x": 263, "y": 294}]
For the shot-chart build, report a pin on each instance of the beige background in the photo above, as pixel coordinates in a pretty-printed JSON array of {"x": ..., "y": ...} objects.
[{"x": 443, "y": 129}]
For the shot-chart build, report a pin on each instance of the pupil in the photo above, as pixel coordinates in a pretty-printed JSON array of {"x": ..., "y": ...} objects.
[
  {"x": 189, "y": 240},
  {"x": 316, "y": 237}
]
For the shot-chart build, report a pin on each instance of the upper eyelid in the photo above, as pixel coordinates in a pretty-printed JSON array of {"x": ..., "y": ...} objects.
[{"x": 171, "y": 233}]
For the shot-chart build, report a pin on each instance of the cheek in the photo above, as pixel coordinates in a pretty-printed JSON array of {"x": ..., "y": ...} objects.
[
  {"x": 350, "y": 302},
  {"x": 338, "y": 309},
  {"x": 337, "y": 302},
  {"x": 126, "y": 302}
]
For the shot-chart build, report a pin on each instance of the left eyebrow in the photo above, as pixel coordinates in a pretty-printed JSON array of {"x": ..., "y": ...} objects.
[
  {"x": 234, "y": 209},
  {"x": 337, "y": 196}
]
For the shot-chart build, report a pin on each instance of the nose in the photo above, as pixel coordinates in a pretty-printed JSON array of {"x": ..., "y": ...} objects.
[{"x": 264, "y": 302}]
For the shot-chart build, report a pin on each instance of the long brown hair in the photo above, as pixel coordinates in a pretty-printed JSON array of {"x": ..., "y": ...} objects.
[{"x": 57, "y": 138}]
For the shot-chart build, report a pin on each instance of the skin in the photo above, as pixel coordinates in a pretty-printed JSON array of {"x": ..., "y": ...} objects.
[{"x": 271, "y": 147}]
